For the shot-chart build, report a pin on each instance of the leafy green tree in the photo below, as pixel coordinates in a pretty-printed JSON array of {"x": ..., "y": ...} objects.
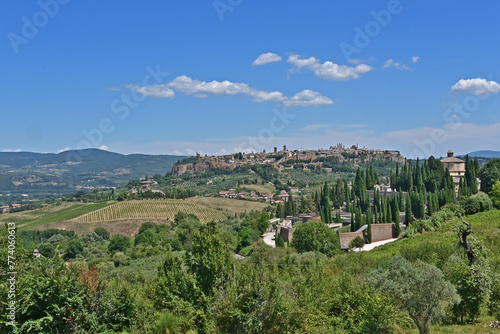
[
  {"x": 119, "y": 243},
  {"x": 75, "y": 247},
  {"x": 421, "y": 288},
  {"x": 495, "y": 194},
  {"x": 471, "y": 274},
  {"x": 307, "y": 204},
  {"x": 210, "y": 259},
  {"x": 47, "y": 250},
  {"x": 247, "y": 236},
  {"x": 51, "y": 299},
  {"x": 314, "y": 236},
  {"x": 473, "y": 282},
  {"x": 102, "y": 232}
]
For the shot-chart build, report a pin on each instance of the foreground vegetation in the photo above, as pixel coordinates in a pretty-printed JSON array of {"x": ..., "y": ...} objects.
[{"x": 184, "y": 278}]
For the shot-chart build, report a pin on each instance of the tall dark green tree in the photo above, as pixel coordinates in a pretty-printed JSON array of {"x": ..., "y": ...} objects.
[{"x": 408, "y": 213}]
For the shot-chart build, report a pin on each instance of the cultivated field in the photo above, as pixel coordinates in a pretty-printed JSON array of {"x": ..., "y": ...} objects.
[
  {"x": 152, "y": 209},
  {"x": 226, "y": 204},
  {"x": 49, "y": 214}
]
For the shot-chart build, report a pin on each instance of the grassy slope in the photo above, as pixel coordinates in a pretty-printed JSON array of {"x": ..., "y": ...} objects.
[{"x": 50, "y": 214}]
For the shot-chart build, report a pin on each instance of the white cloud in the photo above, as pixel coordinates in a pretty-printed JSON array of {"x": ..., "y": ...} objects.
[
  {"x": 266, "y": 58},
  {"x": 399, "y": 66},
  {"x": 158, "y": 91},
  {"x": 477, "y": 86},
  {"x": 63, "y": 150},
  {"x": 328, "y": 70},
  {"x": 415, "y": 59},
  {"x": 104, "y": 148},
  {"x": 11, "y": 150},
  {"x": 307, "y": 98},
  {"x": 202, "y": 89}
]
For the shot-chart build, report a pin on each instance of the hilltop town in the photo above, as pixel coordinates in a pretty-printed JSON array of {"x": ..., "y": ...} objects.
[{"x": 277, "y": 158}]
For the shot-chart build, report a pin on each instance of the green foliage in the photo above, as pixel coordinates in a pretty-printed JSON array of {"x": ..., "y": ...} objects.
[
  {"x": 247, "y": 236},
  {"x": 476, "y": 203},
  {"x": 51, "y": 300},
  {"x": 495, "y": 193},
  {"x": 420, "y": 287},
  {"x": 357, "y": 242},
  {"x": 473, "y": 284},
  {"x": 47, "y": 250},
  {"x": 119, "y": 243},
  {"x": 489, "y": 175},
  {"x": 75, "y": 247},
  {"x": 315, "y": 237},
  {"x": 102, "y": 232},
  {"x": 279, "y": 241},
  {"x": 209, "y": 261}
]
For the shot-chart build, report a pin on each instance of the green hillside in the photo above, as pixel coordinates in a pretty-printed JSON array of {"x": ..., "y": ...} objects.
[{"x": 45, "y": 175}]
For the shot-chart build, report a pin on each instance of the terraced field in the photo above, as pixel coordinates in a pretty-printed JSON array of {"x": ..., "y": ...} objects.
[{"x": 152, "y": 209}]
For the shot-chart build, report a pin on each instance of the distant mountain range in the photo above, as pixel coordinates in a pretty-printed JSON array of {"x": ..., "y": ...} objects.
[
  {"x": 46, "y": 174},
  {"x": 485, "y": 154}
]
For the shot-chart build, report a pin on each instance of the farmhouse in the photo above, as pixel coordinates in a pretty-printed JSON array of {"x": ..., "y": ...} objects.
[{"x": 456, "y": 167}]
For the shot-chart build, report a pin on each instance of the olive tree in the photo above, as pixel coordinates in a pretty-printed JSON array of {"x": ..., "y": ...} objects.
[{"x": 420, "y": 287}]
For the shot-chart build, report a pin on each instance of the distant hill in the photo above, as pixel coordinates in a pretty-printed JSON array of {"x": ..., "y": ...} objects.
[
  {"x": 485, "y": 154},
  {"x": 49, "y": 174}
]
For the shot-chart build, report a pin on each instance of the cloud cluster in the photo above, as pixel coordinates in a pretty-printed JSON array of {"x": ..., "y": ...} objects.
[
  {"x": 307, "y": 98},
  {"x": 266, "y": 58},
  {"x": 328, "y": 70},
  {"x": 202, "y": 89},
  {"x": 477, "y": 86},
  {"x": 399, "y": 66},
  {"x": 11, "y": 150},
  {"x": 158, "y": 91}
]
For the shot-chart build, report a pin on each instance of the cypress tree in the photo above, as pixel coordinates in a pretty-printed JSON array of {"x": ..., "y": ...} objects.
[
  {"x": 338, "y": 219},
  {"x": 369, "y": 222},
  {"x": 408, "y": 217},
  {"x": 279, "y": 241},
  {"x": 352, "y": 221},
  {"x": 389, "y": 212},
  {"x": 395, "y": 211}
]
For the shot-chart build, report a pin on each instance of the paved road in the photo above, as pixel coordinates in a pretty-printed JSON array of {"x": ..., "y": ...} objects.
[
  {"x": 371, "y": 246},
  {"x": 268, "y": 238}
]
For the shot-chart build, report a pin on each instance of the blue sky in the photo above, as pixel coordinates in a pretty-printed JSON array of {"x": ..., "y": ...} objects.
[{"x": 223, "y": 76}]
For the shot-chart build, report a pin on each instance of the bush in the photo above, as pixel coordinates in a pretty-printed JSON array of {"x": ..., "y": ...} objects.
[
  {"x": 119, "y": 243},
  {"x": 357, "y": 242},
  {"x": 47, "y": 250},
  {"x": 102, "y": 232},
  {"x": 476, "y": 203},
  {"x": 75, "y": 247}
]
